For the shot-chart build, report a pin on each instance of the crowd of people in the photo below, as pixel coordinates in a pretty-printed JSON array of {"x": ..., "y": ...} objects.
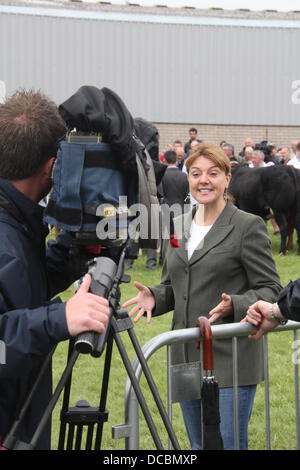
[{"x": 255, "y": 155}]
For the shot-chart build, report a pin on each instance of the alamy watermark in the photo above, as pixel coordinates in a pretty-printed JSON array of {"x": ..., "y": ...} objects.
[
  {"x": 2, "y": 353},
  {"x": 154, "y": 223},
  {"x": 296, "y": 93},
  {"x": 2, "y": 91}
]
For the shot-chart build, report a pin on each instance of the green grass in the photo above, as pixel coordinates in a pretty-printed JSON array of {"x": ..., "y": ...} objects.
[{"x": 86, "y": 383}]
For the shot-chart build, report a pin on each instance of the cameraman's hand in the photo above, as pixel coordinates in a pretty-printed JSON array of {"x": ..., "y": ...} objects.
[
  {"x": 144, "y": 301},
  {"x": 86, "y": 311},
  {"x": 258, "y": 315}
]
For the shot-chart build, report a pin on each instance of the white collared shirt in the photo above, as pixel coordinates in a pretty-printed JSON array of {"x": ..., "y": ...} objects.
[
  {"x": 264, "y": 165},
  {"x": 197, "y": 234},
  {"x": 295, "y": 162}
]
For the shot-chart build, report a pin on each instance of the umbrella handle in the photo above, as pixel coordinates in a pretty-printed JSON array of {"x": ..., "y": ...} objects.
[{"x": 206, "y": 333}]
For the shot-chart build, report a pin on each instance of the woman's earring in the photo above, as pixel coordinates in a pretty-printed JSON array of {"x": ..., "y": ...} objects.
[{"x": 225, "y": 194}]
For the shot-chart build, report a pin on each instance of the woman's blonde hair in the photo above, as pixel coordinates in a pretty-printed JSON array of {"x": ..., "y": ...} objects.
[{"x": 212, "y": 152}]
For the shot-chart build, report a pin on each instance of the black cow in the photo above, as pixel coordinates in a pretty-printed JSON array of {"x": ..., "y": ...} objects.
[{"x": 257, "y": 190}]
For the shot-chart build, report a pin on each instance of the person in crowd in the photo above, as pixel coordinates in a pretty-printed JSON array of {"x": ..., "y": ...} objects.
[
  {"x": 184, "y": 170},
  {"x": 31, "y": 275},
  {"x": 248, "y": 143},
  {"x": 221, "y": 265},
  {"x": 285, "y": 154},
  {"x": 229, "y": 150},
  {"x": 177, "y": 143},
  {"x": 293, "y": 147},
  {"x": 193, "y": 133},
  {"x": 265, "y": 316},
  {"x": 273, "y": 156},
  {"x": 248, "y": 153},
  {"x": 194, "y": 144},
  {"x": 179, "y": 158},
  {"x": 257, "y": 160},
  {"x": 295, "y": 161},
  {"x": 174, "y": 187}
]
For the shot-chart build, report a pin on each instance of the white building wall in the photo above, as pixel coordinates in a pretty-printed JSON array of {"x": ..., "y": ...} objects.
[{"x": 166, "y": 69}]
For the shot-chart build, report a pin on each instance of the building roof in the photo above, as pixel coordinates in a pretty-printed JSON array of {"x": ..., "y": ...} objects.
[{"x": 158, "y": 13}]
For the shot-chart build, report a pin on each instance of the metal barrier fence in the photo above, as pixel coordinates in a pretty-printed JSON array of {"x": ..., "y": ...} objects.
[{"x": 130, "y": 430}]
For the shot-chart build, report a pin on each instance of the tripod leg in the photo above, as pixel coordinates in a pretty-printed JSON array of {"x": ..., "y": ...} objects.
[
  {"x": 89, "y": 439},
  {"x": 78, "y": 437},
  {"x": 66, "y": 400},
  {"x": 70, "y": 436},
  {"x": 55, "y": 397},
  {"x": 153, "y": 389},
  {"x": 9, "y": 440},
  {"x": 137, "y": 390},
  {"x": 104, "y": 390}
]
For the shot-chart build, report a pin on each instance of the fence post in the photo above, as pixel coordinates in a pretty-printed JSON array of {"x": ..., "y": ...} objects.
[
  {"x": 235, "y": 393},
  {"x": 170, "y": 400},
  {"x": 296, "y": 370},
  {"x": 267, "y": 391}
]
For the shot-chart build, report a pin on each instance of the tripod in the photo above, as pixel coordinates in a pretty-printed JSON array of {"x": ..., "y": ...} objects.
[{"x": 106, "y": 277}]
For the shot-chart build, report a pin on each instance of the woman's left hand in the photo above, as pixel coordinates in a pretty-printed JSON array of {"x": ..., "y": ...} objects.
[{"x": 223, "y": 309}]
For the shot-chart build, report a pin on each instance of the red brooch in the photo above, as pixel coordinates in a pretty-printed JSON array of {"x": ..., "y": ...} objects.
[{"x": 174, "y": 243}]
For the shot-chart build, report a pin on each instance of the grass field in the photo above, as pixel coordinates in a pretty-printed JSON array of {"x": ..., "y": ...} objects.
[{"x": 87, "y": 374}]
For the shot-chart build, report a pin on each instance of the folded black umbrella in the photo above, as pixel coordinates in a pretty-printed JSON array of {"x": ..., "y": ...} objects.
[{"x": 212, "y": 439}]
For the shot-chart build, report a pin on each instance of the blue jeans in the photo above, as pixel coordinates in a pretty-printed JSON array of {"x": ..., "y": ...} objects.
[{"x": 191, "y": 411}]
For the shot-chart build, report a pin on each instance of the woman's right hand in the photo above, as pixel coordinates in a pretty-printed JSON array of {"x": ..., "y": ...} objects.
[{"x": 144, "y": 302}]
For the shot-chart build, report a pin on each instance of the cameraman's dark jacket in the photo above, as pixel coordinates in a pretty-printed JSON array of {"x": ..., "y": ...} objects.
[
  {"x": 30, "y": 325},
  {"x": 289, "y": 301}
]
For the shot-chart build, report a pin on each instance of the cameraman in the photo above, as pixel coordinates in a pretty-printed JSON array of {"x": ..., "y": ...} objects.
[{"x": 30, "y": 274}]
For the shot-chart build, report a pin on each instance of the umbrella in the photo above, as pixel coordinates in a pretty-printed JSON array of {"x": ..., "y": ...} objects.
[{"x": 212, "y": 439}]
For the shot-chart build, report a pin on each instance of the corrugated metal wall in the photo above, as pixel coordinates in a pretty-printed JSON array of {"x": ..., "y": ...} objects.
[{"x": 164, "y": 72}]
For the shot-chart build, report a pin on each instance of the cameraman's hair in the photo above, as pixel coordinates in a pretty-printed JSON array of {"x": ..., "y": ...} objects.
[
  {"x": 170, "y": 156},
  {"x": 30, "y": 130}
]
